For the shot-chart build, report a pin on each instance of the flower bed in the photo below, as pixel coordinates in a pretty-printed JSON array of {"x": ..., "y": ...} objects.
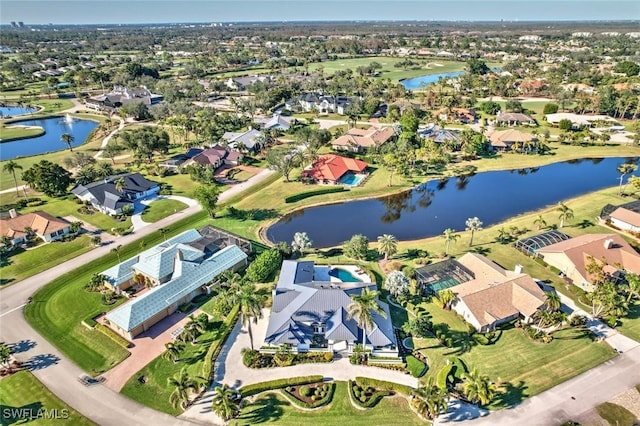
[
  {"x": 255, "y": 359},
  {"x": 366, "y": 396},
  {"x": 311, "y": 395}
]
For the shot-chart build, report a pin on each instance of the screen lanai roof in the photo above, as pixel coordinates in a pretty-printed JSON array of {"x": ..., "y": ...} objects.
[
  {"x": 187, "y": 278},
  {"x": 531, "y": 244},
  {"x": 442, "y": 270}
]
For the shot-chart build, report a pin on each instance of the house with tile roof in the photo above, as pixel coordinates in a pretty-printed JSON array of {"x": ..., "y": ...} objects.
[
  {"x": 361, "y": 140},
  {"x": 486, "y": 293},
  {"x": 329, "y": 168},
  {"x": 48, "y": 228},
  {"x": 277, "y": 122},
  {"x": 512, "y": 139},
  {"x": 625, "y": 216},
  {"x": 215, "y": 157},
  {"x": 105, "y": 197},
  {"x": 174, "y": 272},
  {"x": 310, "y": 312},
  {"x": 460, "y": 115},
  {"x": 511, "y": 119},
  {"x": 441, "y": 135},
  {"x": 252, "y": 140},
  {"x": 573, "y": 256},
  {"x": 122, "y": 95}
]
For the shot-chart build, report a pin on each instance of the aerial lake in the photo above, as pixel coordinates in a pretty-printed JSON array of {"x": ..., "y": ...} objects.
[
  {"x": 425, "y": 80},
  {"x": 12, "y": 111},
  {"x": 430, "y": 208},
  {"x": 54, "y": 127}
]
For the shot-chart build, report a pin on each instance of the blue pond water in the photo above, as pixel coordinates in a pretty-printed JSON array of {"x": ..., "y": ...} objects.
[
  {"x": 12, "y": 111},
  {"x": 425, "y": 80},
  {"x": 432, "y": 207},
  {"x": 54, "y": 128}
]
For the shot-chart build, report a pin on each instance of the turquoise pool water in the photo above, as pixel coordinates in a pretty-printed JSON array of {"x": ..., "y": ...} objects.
[
  {"x": 350, "y": 179},
  {"x": 344, "y": 275}
]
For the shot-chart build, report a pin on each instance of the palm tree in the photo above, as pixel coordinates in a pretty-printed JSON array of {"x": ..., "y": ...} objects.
[
  {"x": 449, "y": 236},
  {"x": 477, "y": 388},
  {"x": 116, "y": 250},
  {"x": 429, "y": 400},
  {"x": 633, "y": 286},
  {"x": 67, "y": 139},
  {"x": 362, "y": 310},
  {"x": 565, "y": 213},
  {"x": 182, "y": 384},
  {"x": 172, "y": 352},
  {"x": 195, "y": 327},
  {"x": 119, "y": 184},
  {"x": 11, "y": 167},
  {"x": 250, "y": 307},
  {"x": 163, "y": 232},
  {"x": 5, "y": 354},
  {"x": 225, "y": 402},
  {"x": 473, "y": 224},
  {"x": 447, "y": 297},
  {"x": 387, "y": 245},
  {"x": 552, "y": 301},
  {"x": 624, "y": 170},
  {"x": 539, "y": 222}
]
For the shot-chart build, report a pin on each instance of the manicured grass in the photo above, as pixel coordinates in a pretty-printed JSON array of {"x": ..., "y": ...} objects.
[
  {"x": 19, "y": 132},
  {"x": 30, "y": 262},
  {"x": 616, "y": 414},
  {"x": 630, "y": 326},
  {"x": 58, "y": 308},
  {"x": 155, "y": 392},
  {"x": 160, "y": 209},
  {"x": 23, "y": 391},
  {"x": 243, "y": 175},
  {"x": 274, "y": 408}
]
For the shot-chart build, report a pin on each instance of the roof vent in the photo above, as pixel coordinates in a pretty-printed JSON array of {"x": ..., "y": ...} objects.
[
  {"x": 608, "y": 243},
  {"x": 518, "y": 269}
]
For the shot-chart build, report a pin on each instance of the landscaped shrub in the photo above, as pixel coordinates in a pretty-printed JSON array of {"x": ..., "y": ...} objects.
[
  {"x": 316, "y": 394},
  {"x": 305, "y": 391},
  {"x": 445, "y": 376},
  {"x": 89, "y": 322},
  {"x": 415, "y": 366},
  {"x": 307, "y": 194},
  {"x": 257, "y": 388},
  {"x": 264, "y": 265},
  {"x": 367, "y": 396},
  {"x": 113, "y": 335},
  {"x": 384, "y": 385},
  {"x": 214, "y": 349}
]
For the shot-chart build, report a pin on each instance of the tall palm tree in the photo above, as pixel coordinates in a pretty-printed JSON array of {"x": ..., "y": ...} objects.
[
  {"x": 119, "y": 184},
  {"x": 449, "y": 236},
  {"x": 552, "y": 301},
  {"x": 624, "y": 170},
  {"x": 172, "y": 352},
  {"x": 473, "y": 224},
  {"x": 477, "y": 388},
  {"x": 183, "y": 385},
  {"x": 11, "y": 167},
  {"x": 565, "y": 213},
  {"x": 447, "y": 297},
  {"x": 225, "y": 402},
  {"x": 429, "y": 400},
  {"x": 196, "y": 327},
  {"x": 362, "y": 310},
  {"x": 67, "y": 139},
  {"x": 633, "y": 286},
  {"x": 250, "y": 307},
  {"x": 539, "y": 222},
  {"x": 387, "y": 245},
  {"x": 116, "y": 250}
]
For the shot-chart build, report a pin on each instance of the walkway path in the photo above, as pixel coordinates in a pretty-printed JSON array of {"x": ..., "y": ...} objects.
[
  {"x": 230, "y": 369},
  {"x": 106, "y": 140}
]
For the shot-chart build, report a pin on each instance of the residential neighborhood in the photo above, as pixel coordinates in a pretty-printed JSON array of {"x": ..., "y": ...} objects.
[{"x": 300, "y": 219}]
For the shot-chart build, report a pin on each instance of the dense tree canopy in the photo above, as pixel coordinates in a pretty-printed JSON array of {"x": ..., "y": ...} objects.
[{"x": 48, "y": 178}]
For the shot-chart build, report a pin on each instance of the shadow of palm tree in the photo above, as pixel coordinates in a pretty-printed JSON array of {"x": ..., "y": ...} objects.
[
  {"x": 22, "y": 346},
  {"x": 512, "y": 394},
  {"x": 266, "y": 409},
  {"x": 39, "y": 362}
]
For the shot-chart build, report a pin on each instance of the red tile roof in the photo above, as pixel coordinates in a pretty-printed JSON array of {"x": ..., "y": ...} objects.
[{"x": 331, "y": 167}]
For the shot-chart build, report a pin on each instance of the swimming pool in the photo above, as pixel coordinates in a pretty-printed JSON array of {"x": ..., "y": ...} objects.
[
  {"x": 344, "y": 275},
  {"x": 351, "y": 179}
]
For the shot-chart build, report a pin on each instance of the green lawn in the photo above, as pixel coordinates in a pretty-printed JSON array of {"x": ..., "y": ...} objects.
[
  {"x": 274, "y": 408},
  {"x": 30, "y": 262},
  {"x": 155, "y": 391},
  {"x": 162, "y": 208},
  {"x": 630, "y": 326},
  {"x": 616, "y": 414},
  {"x": 23, "y": 391},
  {"x": 59, "y": 307}
]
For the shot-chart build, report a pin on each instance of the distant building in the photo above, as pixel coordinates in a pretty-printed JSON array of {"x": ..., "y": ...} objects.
[
  {"x": 360, "y": 140},
  {"x": 276, "y": 122},
  {"x": 48, "y": 228},
  {"x": 252, "y": 140},
  {"x": 330, "y": 168},
  {"x": 579, "y": 120},
  {"x": 511, "y": 119},
  {"x": 512, "y": 139},
  {"x": 324, "y": 104},
  {"x": 242, "y": 83},
  {"x": 120, "y": 96}
]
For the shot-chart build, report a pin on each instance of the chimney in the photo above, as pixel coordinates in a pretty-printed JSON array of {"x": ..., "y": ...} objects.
[
  {"x": 608, "y": 243},
  {"x": 13, "y": 213},
  {"x": 518, "y": 269}
]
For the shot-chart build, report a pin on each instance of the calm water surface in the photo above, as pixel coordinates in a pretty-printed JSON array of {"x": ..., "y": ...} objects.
[
  {"x": 54, "y": 128},
  {"x": 12, "y": 111},
  {"x": 432, "y": 207},
  {"x": 425, "y": 80}
]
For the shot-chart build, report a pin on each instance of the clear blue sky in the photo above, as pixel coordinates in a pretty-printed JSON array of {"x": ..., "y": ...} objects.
[{"x": 160, "y": 11}]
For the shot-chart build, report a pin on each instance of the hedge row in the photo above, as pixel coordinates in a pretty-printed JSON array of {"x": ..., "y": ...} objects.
[
  {"x": 256, "y": 388},
  {"x": 307, "y": 194},
  {"x": 382, "y": 384},
  {"x": 322, "y": 401},
  {"x": 113, "y": 335},
  {"x": 216, "y": 347},
  {"x": 373, "y": 401},
  {"x": 90, "y": 322},
  {"x": 416, "y": 367}
]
